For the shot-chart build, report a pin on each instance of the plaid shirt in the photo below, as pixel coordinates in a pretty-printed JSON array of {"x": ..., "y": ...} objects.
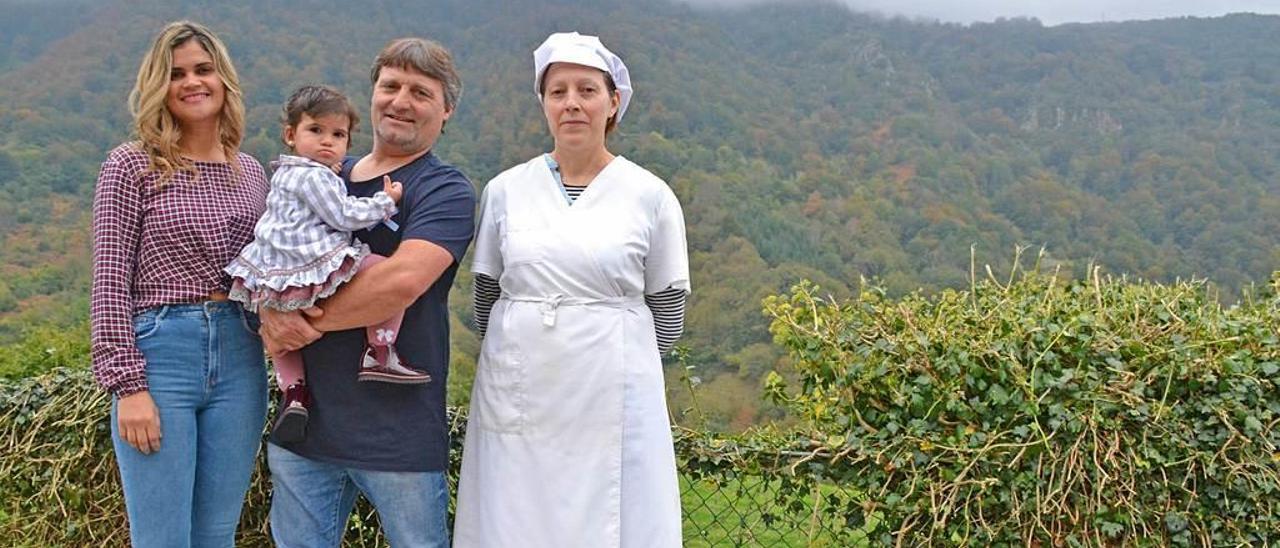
[{"x": 154, "y": 246}]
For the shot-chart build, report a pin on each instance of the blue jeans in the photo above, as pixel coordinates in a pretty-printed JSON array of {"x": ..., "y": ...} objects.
[
  {"x": 311, "y": 501},
  {"x": 206, "y": 374}
]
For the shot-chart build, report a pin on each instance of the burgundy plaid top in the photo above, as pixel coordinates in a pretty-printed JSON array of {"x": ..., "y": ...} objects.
[{"x": 155, "y": 246}]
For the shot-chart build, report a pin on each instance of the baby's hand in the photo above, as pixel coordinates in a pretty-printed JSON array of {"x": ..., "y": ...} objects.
[{"x": 393, "y": 189}]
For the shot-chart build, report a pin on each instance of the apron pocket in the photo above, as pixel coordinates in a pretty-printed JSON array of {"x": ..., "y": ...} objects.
[
  {"x": 524, "y": 245},
  {"x": 498, "y": 401}
]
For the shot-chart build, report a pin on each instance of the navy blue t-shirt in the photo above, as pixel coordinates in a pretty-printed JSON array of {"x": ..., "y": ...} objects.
[{"x": 377, "y": 425}]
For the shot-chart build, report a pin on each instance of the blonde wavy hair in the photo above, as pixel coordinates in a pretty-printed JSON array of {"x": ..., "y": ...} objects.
[{"x": 155, "y": 127}]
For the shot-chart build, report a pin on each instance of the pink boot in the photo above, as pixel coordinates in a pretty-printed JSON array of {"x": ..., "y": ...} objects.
[{"x": 393, "y": 371}]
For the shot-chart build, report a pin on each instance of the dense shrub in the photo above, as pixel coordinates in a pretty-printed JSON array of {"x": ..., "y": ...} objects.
[
  {"x": 55, "y": 486},
  {"x": 1095, "y": 411},
  {"x": 45, "y": 347},
  {"x": 61, "y": 487},
  {"x": 1031, "y": 412}
]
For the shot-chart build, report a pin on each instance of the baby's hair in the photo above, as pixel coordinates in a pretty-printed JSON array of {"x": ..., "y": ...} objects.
[{"x": 317, "y": 101}]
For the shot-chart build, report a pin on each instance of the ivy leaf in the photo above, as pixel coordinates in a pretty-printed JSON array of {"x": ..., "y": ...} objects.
[
  {"x": 1252, "y": 424},
  {"x": 1111, "y": 529},
  {"x": 998, "y": 394}
]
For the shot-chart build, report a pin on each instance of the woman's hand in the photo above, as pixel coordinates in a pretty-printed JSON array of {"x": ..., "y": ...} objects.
[
  {"x": 139, "y": 421},
  {"x": 394, "y": 190}
]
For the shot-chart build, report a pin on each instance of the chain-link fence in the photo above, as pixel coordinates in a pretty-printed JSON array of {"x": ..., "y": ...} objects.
[
  {"x": 761, "y": 495},
  {"x": 62, "y": 489},
  {"x": 735, "y": 491}
]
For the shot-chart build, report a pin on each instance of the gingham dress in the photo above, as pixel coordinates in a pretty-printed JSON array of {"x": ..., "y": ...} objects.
[{"x": 305, "y": 235}]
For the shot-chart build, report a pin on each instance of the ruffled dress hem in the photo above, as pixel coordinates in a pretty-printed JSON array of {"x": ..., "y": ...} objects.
[{"x": 295, "y": 289}]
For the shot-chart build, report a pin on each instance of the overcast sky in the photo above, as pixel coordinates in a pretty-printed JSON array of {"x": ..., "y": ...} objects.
[{"x": 1049, "y": 12}]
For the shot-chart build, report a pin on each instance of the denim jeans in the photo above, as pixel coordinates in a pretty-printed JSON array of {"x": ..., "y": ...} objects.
[
  {"x": 205, "y": 371},
  {"x": 311, "y": 501}
]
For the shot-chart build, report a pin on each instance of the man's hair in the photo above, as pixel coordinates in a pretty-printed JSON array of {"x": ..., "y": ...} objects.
[{"x": 423, "y": 56}]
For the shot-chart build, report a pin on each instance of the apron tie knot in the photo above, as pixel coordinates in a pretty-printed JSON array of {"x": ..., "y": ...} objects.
[{"x": 549, "y": 307}]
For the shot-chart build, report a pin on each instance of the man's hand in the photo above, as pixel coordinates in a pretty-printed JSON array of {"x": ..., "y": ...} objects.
[
  {"x": 139, "y": 422},
  {"x": 287, "y": 331}
]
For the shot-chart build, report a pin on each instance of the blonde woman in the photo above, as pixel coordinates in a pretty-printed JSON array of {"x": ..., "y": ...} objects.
[{"x": 183, "y": 363}]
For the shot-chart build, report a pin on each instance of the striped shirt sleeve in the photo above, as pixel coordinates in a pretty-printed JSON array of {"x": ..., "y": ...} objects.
[
  {"x": 667, "y": 307},
  {"x": 485, "y": 292}
]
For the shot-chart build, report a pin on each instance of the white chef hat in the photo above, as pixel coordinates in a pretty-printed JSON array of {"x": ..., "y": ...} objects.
[{"x": 571, "y": 47}]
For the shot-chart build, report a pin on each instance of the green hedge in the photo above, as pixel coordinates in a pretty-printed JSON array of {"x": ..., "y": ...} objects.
[
  {"x": 43, "y": 347},
  {"x": 1034, "y": 411},
  {"x": 1038, "y": 410},
  {"x": 61, "y": 487}
]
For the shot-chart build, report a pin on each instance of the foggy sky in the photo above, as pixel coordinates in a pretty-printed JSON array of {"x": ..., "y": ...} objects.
[{"x": 1049, "y": 12}]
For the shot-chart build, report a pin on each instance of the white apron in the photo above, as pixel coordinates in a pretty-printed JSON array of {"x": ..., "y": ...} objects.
[{"x": 568, "y": 442}]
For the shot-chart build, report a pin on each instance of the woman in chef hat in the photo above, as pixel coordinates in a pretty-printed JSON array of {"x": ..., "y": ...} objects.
[{"x": 581, "y": 279}]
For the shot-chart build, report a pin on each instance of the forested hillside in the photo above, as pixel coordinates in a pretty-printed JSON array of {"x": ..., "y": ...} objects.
[{"x": 805, "y": 141}]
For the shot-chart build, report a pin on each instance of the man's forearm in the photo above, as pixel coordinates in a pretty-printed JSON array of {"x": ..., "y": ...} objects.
[
  {"x": 380, "y": 291},
  {"x": 368, "y": 299}
]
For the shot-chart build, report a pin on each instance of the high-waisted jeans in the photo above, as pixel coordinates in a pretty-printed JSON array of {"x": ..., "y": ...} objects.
[{"x": 206, "y": 373}]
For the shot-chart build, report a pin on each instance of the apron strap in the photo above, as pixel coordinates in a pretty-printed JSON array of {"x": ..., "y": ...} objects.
[{"x": 550, "y": 304}]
